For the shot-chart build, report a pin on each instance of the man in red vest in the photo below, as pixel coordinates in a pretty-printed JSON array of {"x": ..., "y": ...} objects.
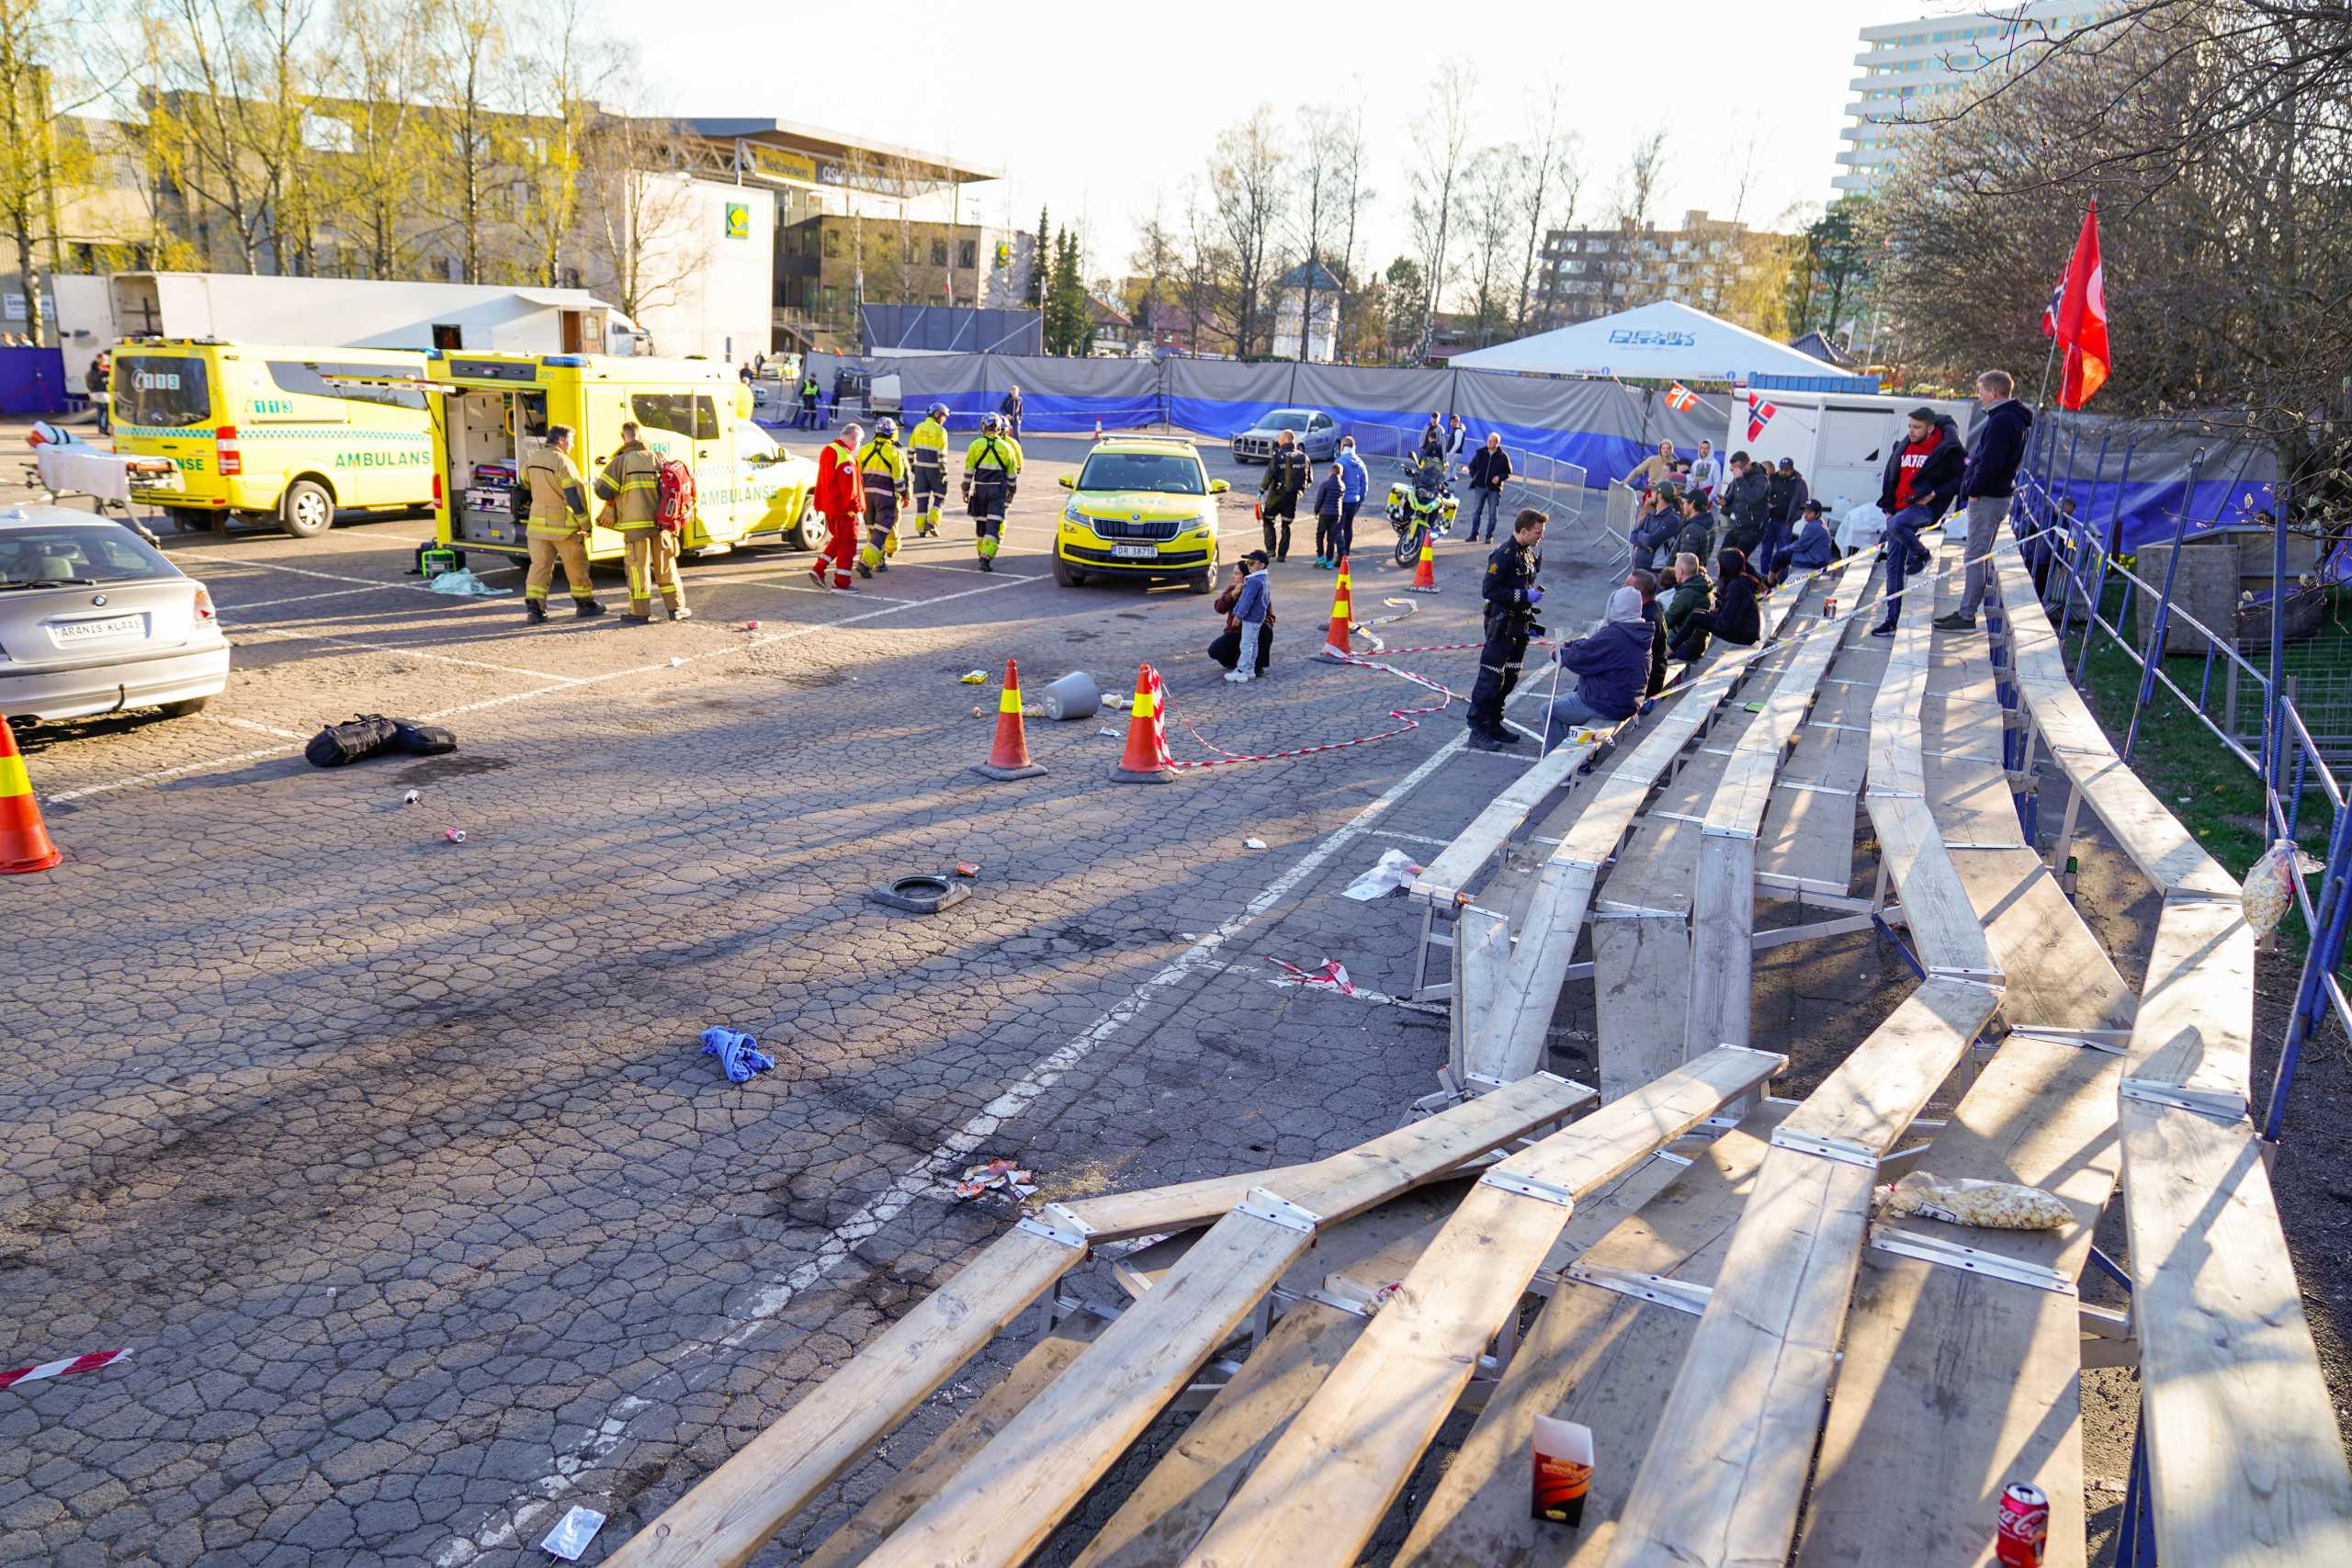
[{"x": 841, "y": 500}]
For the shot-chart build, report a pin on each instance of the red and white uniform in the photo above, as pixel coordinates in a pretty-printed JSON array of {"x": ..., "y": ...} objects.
[{"x": 840, "y": 499}]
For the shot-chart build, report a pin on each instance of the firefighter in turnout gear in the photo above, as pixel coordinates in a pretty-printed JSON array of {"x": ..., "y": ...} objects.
[
  {"x": 558, "y": 528},
  {"x": 991, "y": 474},
  {"x": 839, "y": 500},
  {"x": 882, "y": 467},
  {"x": 927, "y": 462},
  {"x": 632, "y": 482},
  {"x": 1511, "y": 595}
]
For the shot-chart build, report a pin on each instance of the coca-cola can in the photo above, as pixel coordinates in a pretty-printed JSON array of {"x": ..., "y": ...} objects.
[
  {"x": 1829, "y": 609},
  {"x": 2024, "y": 1526}
]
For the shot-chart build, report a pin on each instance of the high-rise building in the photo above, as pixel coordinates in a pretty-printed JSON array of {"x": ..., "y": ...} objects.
[
  {"x": 1588, "y": 272},
  {"x": 1905, "y": 65}
]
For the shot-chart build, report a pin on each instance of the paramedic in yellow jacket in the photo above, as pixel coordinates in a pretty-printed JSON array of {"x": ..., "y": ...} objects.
[
  {"x": 632, "y": 482},
  {"x": 927, "y": 462},
  {"x": 882, "y": 473},
  {"x": 558, "y": 529},
  {"x": 992, "y": 473}
]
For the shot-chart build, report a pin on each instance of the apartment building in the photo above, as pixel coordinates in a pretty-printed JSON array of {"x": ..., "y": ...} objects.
[{"x": 1588, "y": 272}]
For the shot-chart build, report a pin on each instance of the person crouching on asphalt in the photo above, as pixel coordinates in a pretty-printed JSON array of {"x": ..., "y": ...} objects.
[
  {"x": 1247, "y": 645},
  {"x": 1327, "y": 518},
  {"x": 558, "y": 530},
  {"x": 1511, "y": 596},
  {"x": 1611, "y": 664},
  {"x": 882, "y": 466},
  {"x": 840, "y": 502}
]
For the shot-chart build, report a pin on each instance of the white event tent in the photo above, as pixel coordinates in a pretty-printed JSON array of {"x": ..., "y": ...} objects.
[{"x": 1662, "y": 341}]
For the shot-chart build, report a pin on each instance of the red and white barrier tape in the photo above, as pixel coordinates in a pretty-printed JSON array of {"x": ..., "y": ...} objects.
[{"x": 90, "y": 1362}]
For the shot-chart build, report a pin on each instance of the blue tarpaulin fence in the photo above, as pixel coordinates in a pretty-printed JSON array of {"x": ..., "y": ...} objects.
[{"x": 32, "y": 380}]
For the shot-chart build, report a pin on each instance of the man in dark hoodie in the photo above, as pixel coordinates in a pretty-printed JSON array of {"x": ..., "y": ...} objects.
[
  {"x": 1813, "y": 548},
  {"x": 1612, "y": 666},
  {"x": 1922, "y": 475},
  {"x": 1746, "y": 501},
  {"x": 1286, "y": 477},
  {"x": 1784, "y": 497},
  {"x": 1691, "y": 596},
  {"x": 1986, "y": 485}
]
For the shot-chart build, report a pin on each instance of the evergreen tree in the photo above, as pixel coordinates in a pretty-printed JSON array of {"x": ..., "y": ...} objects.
[
  {"x": 1068, "y": 328},
  {"x": 1037, "y": 267}
]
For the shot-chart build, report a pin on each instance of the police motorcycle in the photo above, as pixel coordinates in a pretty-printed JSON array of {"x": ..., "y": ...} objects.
[{"x": 1420, "y": 503}]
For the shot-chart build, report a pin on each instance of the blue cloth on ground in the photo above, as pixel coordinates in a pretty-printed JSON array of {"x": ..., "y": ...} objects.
[{"x": 739, "y": 1053}]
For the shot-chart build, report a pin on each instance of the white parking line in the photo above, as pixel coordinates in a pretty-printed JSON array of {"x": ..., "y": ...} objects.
[
  {"x": 300, "y": 570},
  {"x": 158, "y": 776},
  {"x": 298, "y": 599},
  {"x": 270, "y": 634},
  {"x": 257, "y": 729},
  {"x": 533, "y": 1501}
]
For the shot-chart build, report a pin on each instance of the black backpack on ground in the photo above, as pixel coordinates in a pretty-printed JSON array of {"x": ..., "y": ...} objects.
[{"x": 372, "y": 735}]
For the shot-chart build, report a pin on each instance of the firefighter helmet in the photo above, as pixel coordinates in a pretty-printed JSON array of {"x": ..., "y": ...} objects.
[
  {"x": 885, "y": 428},
  {"x": 990, "y": 424}
]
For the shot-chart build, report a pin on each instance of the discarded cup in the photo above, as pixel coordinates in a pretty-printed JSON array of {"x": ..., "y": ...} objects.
[
  {"x": 676, "y": 663},
  {"x": 975, "y": 678},
  {"x": 1253, "y": 843},
  {"x": 572, "y": 1533},
  {"x": 411, "y": 798},
  {"x": 455, "y": 835},
  {"x": 967, "y": 868}
]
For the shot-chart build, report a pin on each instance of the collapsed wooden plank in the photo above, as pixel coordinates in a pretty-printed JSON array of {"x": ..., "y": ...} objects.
[
  {"x": 1008, "y": 1496},
  {"x": 1641, "y": 964},
  {"x": 726, "y": 1517},
  {"x": 2245, "y": 1461},
  {"x": 1725, "y": 1470},
  {"x": 1318, "y": 1495},
  {"x": 1593, "y": 1356}
]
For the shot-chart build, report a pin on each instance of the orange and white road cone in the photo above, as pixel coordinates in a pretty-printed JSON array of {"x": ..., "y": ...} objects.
[
  {"x": 1425, "y": 574},
  {"x": 1147, "y": 759},
  {"x": 1343, "y": 612},
  {"x": 1009, "y": 753},
  {"x": 23, "y": 843}
]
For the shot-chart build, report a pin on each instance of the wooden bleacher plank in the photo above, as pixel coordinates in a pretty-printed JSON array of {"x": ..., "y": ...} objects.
[
  {"x": 1595, "y": 1357},
  {"x": 1935, "y": 905},
  {"x": 2057, "y": 975},
  {"x": 905, "y": 1492},
  {"x": 1641, "y": 973},
  {"x": 1454, "y": 868},
  {"x": 1723, "y": 930},
  {"x": 1319, "y": 1492},
  {"x": 1725, "y": 1470},
  {"x": 1971, "y": 800},
  {"x": 726, "y": 1517},
  {"x": 1954, "y": 1385}
]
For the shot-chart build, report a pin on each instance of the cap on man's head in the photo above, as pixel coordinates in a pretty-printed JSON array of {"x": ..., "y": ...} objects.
[
  {"x": 1814, "y": 507},
  {"x": 1624, "y": 604},
  {"x": 1788, "y": 465},
  {"x": 1258, "y": 556}
]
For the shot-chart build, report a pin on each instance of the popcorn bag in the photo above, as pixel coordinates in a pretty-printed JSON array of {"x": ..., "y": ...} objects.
[
  {"x": 2269, "y": 888},
  {"x": 1997, "y": 1206}
]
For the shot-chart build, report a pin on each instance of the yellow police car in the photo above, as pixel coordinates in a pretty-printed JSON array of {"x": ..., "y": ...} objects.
[{"x": 1143, "y": 507}]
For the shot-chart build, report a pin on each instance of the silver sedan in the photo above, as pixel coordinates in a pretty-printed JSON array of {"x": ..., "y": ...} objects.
[{"x": 94, "y": 620}]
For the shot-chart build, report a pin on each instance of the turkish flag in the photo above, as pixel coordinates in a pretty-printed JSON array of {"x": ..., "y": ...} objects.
[{"x": 2077, "y": 318}]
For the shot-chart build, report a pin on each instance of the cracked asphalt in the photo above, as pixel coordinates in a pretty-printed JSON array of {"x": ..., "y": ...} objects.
[{"x": 394, "y": 1161}]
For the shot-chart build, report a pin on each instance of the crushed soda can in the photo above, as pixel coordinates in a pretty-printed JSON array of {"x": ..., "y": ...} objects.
[
  {"x": 1001, "y": 1176},
  {"x": 750, "y": 625},
  {"x": 411, "y": 798},
  {"x": 974, "y": 678},
  {"x": 455, "y": 835},
  {"x": 967, "y": 868},
  {"x": 572, "y": 1533}
]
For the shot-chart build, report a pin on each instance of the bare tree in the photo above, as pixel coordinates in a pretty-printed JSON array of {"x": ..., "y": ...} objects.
[
  {"x": 471, "y": 72},
  {"x": 640, "y": 235},
  {"x": 41, "y": 163},
  {"x": 1552, "y": 180},
  {"x": 1638, "y": 183},
  {"x": 1494, "y": 200},
  {"x": 568, "y": 66},
  {"x": 1441, "y": 150},
  {"x": 1347, "y": 149},
  {"x": 1204, "y": 272},
  {"x": 1154, "y": 258},
  {"x": 224, "y": 120},
  {"x": 1248, "y": 197}
]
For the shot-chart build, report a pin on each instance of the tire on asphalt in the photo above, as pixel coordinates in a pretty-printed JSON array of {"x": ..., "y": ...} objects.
[
  {"x": 306, "y": 510},
  {"x": 1066, "y": 574},
  {"x": 810, "y": 533}
]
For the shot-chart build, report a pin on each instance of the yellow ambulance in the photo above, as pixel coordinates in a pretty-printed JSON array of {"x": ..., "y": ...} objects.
[
  {"x": 494, "y": 408},
  {"x": 263, "y": 433}
]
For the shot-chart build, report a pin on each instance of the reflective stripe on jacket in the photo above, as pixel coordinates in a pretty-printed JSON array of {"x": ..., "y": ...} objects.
[
  {"x": 632, "y": 482},
  {"x": 558, "y": 508}
]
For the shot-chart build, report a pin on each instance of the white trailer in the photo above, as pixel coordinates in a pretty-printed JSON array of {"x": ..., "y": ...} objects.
[
  {"x": 359, "y": 314},
  {"x": 1839, "y": 441}
]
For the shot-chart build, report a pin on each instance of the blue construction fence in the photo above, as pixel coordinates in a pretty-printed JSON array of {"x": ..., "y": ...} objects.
[
  {"x": 32, "y": 380},
  {"x": 2136, "y": 480},
  {"x": 1604, "y": 427}
]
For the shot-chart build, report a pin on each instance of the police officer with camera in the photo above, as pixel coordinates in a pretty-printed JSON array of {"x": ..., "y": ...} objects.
[{"x": 1511, "y": 595}]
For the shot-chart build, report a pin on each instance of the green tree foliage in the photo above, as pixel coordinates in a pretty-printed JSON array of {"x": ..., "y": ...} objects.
[{"x": 1068, "y": 327}]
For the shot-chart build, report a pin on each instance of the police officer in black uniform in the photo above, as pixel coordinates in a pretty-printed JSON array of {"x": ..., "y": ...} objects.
[{"x": 1512, "y": 594}]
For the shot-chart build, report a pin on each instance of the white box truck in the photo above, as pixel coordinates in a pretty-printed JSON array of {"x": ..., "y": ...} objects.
[
  {"x": 364, "y": 313},
  {"x": 1838, "y": 440}
]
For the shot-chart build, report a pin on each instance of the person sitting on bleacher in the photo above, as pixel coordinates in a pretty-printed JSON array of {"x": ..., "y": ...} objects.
[{"x": 1611, "y": 665}]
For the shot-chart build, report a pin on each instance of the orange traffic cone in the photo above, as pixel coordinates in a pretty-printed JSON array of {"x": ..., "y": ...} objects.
[
  {"x": 1335, "y": 644},
  {"x": 1146, "y": 760},
  {"x": 1009, "y": 754},
  {"x": 23, "y": 843},
  {"x": 1425, "y": 575}
]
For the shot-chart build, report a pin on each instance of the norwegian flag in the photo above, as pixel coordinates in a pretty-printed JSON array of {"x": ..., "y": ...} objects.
[
  {"x": 1681, "y": 399},
  {"x": 1759, "y": 414}
]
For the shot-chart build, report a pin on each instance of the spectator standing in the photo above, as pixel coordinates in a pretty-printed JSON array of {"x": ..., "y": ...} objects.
[
  {"x": 1457, "y": 439},
  {"x": 833, "y": 404},
  {"x": 1278, "y": 493},
  {"x": 1922, "y": 475},
  {"x": 1327, "y": 519},
  {"x": 1246, "y": 646},
  {"x": 1706, "y": 473},
  {"x": 93, "y": 381},
  {"x": 1433, "y": 449},
  {"x": 1610, "y": 664},
  {"x": 1511, "y": 596},
  {"x": 1694, "y": 594},
  {"x": 1010, "y": 411},
  {"x": 807, "y": 418},
  {"x": 744, "y": 375},
  {"x": 1784, "y": 498},
  {"x": 1355, "y": 479},
  {"x": 1656, "y": 469},
  {"x": 1987, "y": 482},
  {"x": 1736, "y": 617},
  {"x": 1745, "y": 502},
  {"x": 1489, "y": 469},
  {"x": 1693, "y": 537}
]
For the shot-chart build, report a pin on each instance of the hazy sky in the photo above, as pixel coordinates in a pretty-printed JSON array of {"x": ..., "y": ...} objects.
[{"x": 1100, "y": 108}]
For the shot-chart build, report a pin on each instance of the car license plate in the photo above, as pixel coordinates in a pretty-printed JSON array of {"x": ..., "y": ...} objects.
[
  {"x": 1135, "y": 552},
  {"x": 74, "y": 632}
]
